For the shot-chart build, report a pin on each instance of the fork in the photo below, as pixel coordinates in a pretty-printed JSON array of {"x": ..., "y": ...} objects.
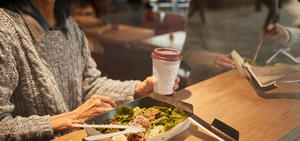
[{"x": 128, "y": 129}]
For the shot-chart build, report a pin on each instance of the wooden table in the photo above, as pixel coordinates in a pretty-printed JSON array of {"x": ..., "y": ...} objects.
[
  {"x": 174, "y": 40},
  {"x": 87, "y": 21},
  {"x": 231, "y": 99},
  {"x": 118, "y": 33}
]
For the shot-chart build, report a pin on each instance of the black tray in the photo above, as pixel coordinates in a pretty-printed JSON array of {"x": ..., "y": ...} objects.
[{"x": 217, "y": 127}]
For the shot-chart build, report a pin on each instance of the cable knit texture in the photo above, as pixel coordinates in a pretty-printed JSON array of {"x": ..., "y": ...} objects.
[
  {"x": 40, "y": 79},
  {"x": 295, "y": 36}
]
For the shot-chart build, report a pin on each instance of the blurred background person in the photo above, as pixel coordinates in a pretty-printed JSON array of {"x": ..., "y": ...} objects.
[
  {"x": 138, "y": 8},
  {"x": 278, "y": 34},
  {"x": 129, "y": 12},
  {"x": 217, "y": 27}
]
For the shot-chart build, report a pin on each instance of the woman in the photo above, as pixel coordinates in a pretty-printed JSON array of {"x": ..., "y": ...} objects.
[
  {"x": 215, "y": 28},
  {"x": 48, "y": 79}
]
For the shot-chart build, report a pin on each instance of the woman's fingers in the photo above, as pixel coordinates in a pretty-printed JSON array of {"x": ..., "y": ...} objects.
[
  {"x": 101, "y": 110},
  {"x": 227, "y": 65},
  {"x": 275, "y": 34},
  {"x": 176, "y": 85},
  {"x": 92, "y": 107},
  {"x": 105, "y": 105},
  {"x": 174, "y": 93},
  {"x": 223, "y": 66},
  {"x": 109, "y": 101},
  {"x": 177, "y": 80},
  {"x": 104, "y": 99},
  {"x": 148, "y": 87},
  {"x": 151, "y": 80},
  {"x": 224, "y": 62},
  {"x": 229, "y": 60}
]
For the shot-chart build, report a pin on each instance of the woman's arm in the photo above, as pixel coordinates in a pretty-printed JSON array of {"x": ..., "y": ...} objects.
[
  {"x": 195, "y": 51},
  {"x": 278, "y": 34},
  {"x": 94, "y": 106},
  {"x": 294, "y": 37},
  {"x": 93, "y": 83},
  {"x": 120, "y": 91},
  {"x": 16, "y": 127},
  {"x": 34, "y": 127}
]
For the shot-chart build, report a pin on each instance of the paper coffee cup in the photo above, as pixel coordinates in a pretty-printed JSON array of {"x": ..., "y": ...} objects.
[{"x": 165, "y": 68}]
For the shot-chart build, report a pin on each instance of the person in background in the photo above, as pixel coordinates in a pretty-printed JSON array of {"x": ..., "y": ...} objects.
[
  {"x": 48, "y": 80},
  {"x": 138, "y": 8},
  {"x": 217, "y": 27},
  {"x": 101, "y": 7},
  {"x": 129, "y": 12},
  {"x": 278, "y": 34}
]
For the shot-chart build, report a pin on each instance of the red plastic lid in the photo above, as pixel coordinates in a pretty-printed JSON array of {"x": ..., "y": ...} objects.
[{"x": 166, "y": 54}]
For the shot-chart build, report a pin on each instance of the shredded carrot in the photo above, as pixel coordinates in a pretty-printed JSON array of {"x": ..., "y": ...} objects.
[{"x": 114, "y": 122}]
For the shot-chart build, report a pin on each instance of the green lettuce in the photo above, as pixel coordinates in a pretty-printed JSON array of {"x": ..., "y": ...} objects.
[
  {"x": 123, "y": 115},
  {"x": 178, "y": 115},
  {"x": 171, "y": 117},
  {"x": 167, "y": 118}
]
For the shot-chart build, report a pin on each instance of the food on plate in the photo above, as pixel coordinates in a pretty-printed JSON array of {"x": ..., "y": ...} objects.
[
  {"x": 274, "y": 62},
  {"x": 119, "y": 138},
  {"x": 155, "y": 120},
  {"x": 257, "y": 63}
]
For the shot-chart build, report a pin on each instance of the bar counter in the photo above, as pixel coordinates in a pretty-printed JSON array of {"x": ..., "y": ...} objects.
[{"x": 231, "y": 98}]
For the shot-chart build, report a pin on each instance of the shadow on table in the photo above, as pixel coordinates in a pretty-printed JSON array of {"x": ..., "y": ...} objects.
[
  {"x": 279, "y": 95},
  {"x": 195, "y": 132},
  {"x": 182, "y": 94},
  {"x": 284, "y": 90}
]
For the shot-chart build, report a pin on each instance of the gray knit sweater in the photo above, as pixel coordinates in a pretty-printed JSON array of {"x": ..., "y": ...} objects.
[{"x": 44, "y": 73}]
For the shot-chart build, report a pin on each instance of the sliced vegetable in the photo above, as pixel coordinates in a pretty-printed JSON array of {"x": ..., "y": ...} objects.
[
  {"x": 158, "y": 120},
  {"x": 123, "y": 115}
]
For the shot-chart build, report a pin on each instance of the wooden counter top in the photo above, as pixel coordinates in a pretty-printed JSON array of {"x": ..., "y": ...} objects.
[
  {"x": 87, "y": 21},
  {"x": 118, "y": 33},
  {"x": 174, "y": 40},
  {"x": 231, "y": 99}
]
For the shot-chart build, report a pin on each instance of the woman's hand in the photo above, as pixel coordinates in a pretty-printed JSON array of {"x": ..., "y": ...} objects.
[
  {"x": 92, "y": 107},
  {"x": 275, "y": 34},
  {"x": 224, "y": 62},
  {"x": 146, "y": 87}
]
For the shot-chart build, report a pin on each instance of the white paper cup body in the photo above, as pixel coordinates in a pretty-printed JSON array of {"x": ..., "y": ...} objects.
[{"x": 165, "y": 72}]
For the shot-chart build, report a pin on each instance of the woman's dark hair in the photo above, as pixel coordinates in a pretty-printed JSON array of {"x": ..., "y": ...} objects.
[
  {"x": 13, "y": 5},
  {"x": 61, "y": 9}
]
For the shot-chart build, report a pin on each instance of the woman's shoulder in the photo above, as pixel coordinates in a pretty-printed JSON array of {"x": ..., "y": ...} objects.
[
  {"x": 73, "y": 28},
  {"x": 6, "y": 22},
  {"x": 9, "y": 21},
  {"x": 72, "y": 25}
]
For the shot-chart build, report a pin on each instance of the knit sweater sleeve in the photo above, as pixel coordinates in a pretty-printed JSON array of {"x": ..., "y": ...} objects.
[
  {"x": 14, "y": 127},
  {"x": 194, "y": 51},
  {"x": 93, "y": 83},
  {"x": 295, "y": 36}
]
